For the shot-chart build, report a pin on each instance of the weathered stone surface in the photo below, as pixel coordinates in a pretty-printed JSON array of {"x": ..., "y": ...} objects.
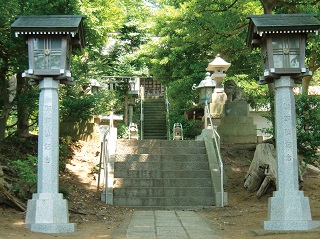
[
  {"x": 236, "y": 126},
  {"x": 288, "y": 208},
  {"x": 47, "y": 211}
]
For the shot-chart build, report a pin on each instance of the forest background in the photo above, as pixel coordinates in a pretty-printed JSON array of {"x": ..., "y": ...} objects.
[{"x": 171, "y": 40}]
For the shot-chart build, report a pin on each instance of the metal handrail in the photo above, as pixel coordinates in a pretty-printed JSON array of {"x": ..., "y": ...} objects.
[
  {"x": 141, "y": 90},
  {"x": 217, "y": 144},
  {"x": 168, "y": 113},
  {"x": 104, "y": 159}
]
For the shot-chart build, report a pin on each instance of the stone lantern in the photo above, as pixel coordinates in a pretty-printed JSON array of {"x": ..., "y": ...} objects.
[
  {"x": 95, "y": 86},
  {"x": 282, "y": 39},
  {"x": 206, "y": 88},
  {"x": 177, "y": 131},
  {"x": 50, "y": 40},
  {"x": 133, "y": 94},
  {"x": 218, "y": 66}
]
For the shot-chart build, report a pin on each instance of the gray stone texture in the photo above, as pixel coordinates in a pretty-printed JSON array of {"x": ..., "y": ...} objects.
[
  {"x": 168, "y": 225},
  {"x": 167, "y": 174},
  {"x": 237, "y": 126},
  {"x": 47, "y": 211},
  {"x": 288, "y": 208}
]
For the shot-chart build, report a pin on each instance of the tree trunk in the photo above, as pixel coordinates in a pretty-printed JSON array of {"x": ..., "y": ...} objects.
[
  {"x": 313, "y": 66},
  {"x": 5, "y": 106},
  {"x": 125, "y": 117},
  {"x": 268, "y": 5},
  {"x": 22, "y": 110},
  {"x": 262, "y": 172}
]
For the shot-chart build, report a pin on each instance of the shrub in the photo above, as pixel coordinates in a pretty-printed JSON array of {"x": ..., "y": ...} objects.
[
  {"x": 26, "y": 181},
  {"x": 122, "y": 130},
  {"x": 308, "y": 127},
  {"x": 65, "y": 152}
]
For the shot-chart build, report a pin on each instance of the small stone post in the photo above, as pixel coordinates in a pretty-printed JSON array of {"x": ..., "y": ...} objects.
[
  {"x": 288, "y": 208},
  {"x": 47, "y": 211}
]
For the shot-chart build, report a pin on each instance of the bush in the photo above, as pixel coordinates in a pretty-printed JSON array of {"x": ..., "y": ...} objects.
[
  {"x": 122, "y": 130},
  {"x": 191, "y": 128},
  {"x": 65, "y": 152},
  {"x": 308, "y": 127},
  {"x": 26, "y": 181}
]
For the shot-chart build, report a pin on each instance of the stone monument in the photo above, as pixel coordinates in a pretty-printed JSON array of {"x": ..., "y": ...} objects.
[{"x": 236, "y": 125}]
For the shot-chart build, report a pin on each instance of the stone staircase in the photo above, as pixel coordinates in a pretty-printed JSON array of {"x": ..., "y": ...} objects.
[
  {"x": 154, "y": 124},
  {"x": 162, "y": 174}
]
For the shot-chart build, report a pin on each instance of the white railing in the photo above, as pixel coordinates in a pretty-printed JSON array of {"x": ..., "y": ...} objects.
[
  {"x": 217, "y": 144},
  {"x": 104, "y": 159},
  {"x": 168, "y": 113}
]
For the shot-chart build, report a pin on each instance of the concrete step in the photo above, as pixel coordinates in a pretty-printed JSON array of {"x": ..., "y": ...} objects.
[
  {"x": 149, "y": 158},
  {"x": 155, "y": 123},
  {"x": 166, "y": 150},
  {"x": 156, "y": 174},
  {"x": 159, "y": 143},
  {"x": 155, "y": 130},
  {"x": 155, "y": 136},
  {"x": 152, "y": 166},
  {"x": 163, "y": 202},
  {"x": 162, "y": 174},
  {"x": 161, "y": 182},
  {"x": 164, "y": 192}
]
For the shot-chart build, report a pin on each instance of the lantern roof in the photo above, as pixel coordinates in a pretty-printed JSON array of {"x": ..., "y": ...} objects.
[
  {"x": 218, "y": 63},
  {"x": 279, "y": 24},
  {"x": 206, "y": 82},
  {"x": 51, "y": 25}
]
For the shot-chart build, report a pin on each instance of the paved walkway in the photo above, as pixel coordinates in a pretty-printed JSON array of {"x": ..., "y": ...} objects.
[{"x": 165, "y": 225}]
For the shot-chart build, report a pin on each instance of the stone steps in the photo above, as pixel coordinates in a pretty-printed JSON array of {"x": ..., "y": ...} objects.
[
  {"x": 162, "y": 174},
  {"x": 154, "y": 124}
]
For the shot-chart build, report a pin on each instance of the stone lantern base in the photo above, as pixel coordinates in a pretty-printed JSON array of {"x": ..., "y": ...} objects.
[{"x": 48, "y": 213}]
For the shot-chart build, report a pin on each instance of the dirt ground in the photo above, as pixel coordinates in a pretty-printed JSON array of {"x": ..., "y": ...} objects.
[{"x": 240, "y": 219}]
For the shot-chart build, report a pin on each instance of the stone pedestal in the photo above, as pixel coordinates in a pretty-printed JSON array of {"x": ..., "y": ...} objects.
[
  {"x": 218, "y": 100},
  {"x": 237, "y": 126},
  {"x": 47, "y": 211},
  {"x": 288, "y": 208}
]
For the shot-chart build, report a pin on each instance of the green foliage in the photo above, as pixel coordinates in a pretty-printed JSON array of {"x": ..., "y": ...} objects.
[
  {"x": 26, "y": 180},
  {"x": 122, "y": 130},
  {"x": 258, "y": 94},
  {"x": 65, "y": 192},
  {"x": 65, "y": 152},
  {"x": 308, "y": 127},
  {"x": 77, "y": 107},
  {"x": 106, "y": 101},
  {"x": 191, "y": 128}
]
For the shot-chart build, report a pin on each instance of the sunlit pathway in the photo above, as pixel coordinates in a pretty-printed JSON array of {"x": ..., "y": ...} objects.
[{"x": 167, "y": 225}]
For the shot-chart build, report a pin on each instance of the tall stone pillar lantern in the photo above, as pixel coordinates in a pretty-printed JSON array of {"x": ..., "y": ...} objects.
[
  {"x": 282, "y": 40},
  {"x": 134, "y": 84},
  {"x": 206, "y": 88},
  {"x": 50, "y": 40},
  {"x": 218, "y": 67}
]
